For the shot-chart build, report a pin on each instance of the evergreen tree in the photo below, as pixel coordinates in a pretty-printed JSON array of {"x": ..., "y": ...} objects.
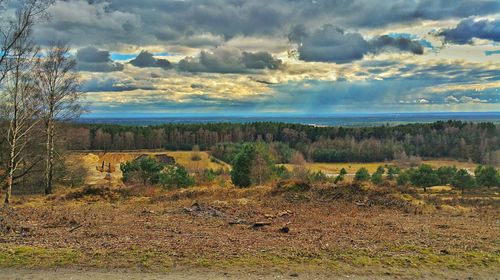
[
  {"x": 362, "y": 175},
  {"x": 392, "y": 171},
  {"x": 446, "y": 174},
  {"x": 377, "y": 178},
  {"x": 403, "y": 178},
  {"x": 175, "y": 176},
  {"x": 424, "y": 177},
  {"x": 241, "y": 175},
  {"x": 145, "y": 169},
  {"x": 487, "y": 176},
  {"x": 463, "y": 180}
]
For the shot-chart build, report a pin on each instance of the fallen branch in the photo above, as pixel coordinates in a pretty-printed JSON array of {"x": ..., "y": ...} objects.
[{"x": 75, "y": 228}]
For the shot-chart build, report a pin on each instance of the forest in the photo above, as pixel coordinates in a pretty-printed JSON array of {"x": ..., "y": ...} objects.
[{"x": 477, "y": 142}]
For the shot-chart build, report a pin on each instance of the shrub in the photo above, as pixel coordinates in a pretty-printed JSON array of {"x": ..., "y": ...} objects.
[
  {"x": 341, "y": 176},
  {"x": 487, "y": 176},
  {"x": 145, "y": 169},
  {"x": 463, "y": 180},
  {"x": 380, "y": 170},
  {"x": 392, "y": 171},
  {"x": 318, "y": 177},
  {"x": 362, "y": 175},
  {"x": 424, "y": 177},
  {"x": 377, "y": 178},
  {"x": 175, "y": 176},
  {"x": 403, "y": 178},
  {"x": 207, "y": 176},
  {"x": 282, "y": 172},
  {"x": 446, "y": 174}
]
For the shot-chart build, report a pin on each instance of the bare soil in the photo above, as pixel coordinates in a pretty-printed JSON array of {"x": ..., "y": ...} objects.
[{"x": 270, "y": 232}]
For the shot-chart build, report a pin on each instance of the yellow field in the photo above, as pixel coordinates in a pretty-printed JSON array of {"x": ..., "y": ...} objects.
[
  {"x": 93, "y": 161},
  {"x": 184, "y": 159},
  {"x": 334, "y": 168}
]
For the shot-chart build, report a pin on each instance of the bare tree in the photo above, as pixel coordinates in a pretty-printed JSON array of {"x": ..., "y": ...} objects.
[
  {"x": 18, "y": 102},
  {"x": 14, "y": 29},
  {"x": 58, "y": 83},
  {"x": 21, "y": 107}
]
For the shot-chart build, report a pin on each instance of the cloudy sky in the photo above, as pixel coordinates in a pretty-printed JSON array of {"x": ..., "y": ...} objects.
[{"x": 155, "y": 57}]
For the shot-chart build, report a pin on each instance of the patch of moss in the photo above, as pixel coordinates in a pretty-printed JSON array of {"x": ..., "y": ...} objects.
[
  {"x": 393, "y": 257},
  {"x": 11, "y": 256}
]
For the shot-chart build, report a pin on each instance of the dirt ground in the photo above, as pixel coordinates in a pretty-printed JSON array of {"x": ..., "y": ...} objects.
[
  {"x": 270, "y": 232},
  {"x": 194, "y": 274}
]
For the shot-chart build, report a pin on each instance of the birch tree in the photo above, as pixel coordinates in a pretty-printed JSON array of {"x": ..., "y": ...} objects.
[
  {"x": 58, "y": 84},
  {"x": 21, "y": 108},
  {"x": 17, "y": 27},
  {"x": 18, "y": 104}
]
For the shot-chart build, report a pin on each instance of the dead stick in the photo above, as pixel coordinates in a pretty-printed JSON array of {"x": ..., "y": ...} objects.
[{"x": 75, "y": 228}]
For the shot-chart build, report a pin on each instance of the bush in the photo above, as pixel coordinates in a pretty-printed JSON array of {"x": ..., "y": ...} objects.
[
  {"x": 175, "y": 176},
  {"x": 145, "y": 170},
  {"x": 380, "y": 170},
  {"x": 318, "y": 177},
  {"x": 424, "y": 177},
  {"x": 446, "y": 174},
  {"x": 341, "y": 176},
  {"x": 207, "y": 176},
  {"x": 487, "y": 176},
  {"x": 403, "y": 178},
  {"x": 377, "y": 178},
  {"x": 282, "y": 172},
  {"x": 362, "y": 175},
  {"x": 463, "y": 180},
  {"x": 392, "y": 171}
]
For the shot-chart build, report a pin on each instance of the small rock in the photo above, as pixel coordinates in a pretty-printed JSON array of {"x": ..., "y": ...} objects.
[
  {"x": 294, "y": 274},
  {"x": 284, "y": 230},
  {"x": 269, "y": 216}
]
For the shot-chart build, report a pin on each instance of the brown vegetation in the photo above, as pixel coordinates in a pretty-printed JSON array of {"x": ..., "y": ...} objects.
[{"x": 294, "y": 224}]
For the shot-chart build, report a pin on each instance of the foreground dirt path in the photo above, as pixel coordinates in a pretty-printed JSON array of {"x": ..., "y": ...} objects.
[{"x": 64, "y": 274}]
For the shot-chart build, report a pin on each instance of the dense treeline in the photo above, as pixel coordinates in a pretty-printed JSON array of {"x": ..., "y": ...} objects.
[{"x": 478, "y": 142}]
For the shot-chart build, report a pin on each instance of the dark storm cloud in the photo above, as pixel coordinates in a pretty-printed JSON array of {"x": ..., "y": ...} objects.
[
  {"x": 146, "y": 59},
  {"x": 385, "y": 42},
  {"x": 229, "y": 60},
  {"x": 470, "y": 28},
  {"x": 333, "y": 44},
  {"x": 94, "y": 60},
  {"x": 153, "y": 21}
]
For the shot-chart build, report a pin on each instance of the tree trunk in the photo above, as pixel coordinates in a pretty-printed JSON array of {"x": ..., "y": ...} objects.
[
  {"x": 49, "y": 169},
  {"x": 10, "y": 177}
]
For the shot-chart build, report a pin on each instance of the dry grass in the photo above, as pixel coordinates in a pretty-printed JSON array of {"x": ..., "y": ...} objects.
[
  {"x": 93, "y": 162},
  {"x": 334, "y": 168},
  {"x": 347, "y": 227}
]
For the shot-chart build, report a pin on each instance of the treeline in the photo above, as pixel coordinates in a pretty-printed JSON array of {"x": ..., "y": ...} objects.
[{"x": 478, "y": 142}]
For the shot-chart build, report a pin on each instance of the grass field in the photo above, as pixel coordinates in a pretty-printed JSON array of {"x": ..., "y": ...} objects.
[{"x": 334, "y": 168}]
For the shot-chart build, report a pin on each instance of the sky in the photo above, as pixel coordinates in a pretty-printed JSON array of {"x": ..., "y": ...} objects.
[{"x": 251, "y": 57}]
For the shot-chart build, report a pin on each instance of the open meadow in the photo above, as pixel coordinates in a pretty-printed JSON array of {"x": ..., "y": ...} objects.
[{"x": 332, "y": 169}]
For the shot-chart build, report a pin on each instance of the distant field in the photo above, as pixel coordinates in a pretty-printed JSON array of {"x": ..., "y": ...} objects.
[
  {"x": 92, "y": 161},
  {"x": 334, "y": 168}
]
